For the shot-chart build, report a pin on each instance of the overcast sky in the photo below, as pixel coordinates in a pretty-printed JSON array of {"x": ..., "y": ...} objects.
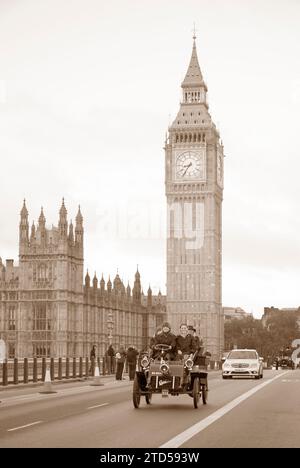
[{"x": 87, "y": 90}]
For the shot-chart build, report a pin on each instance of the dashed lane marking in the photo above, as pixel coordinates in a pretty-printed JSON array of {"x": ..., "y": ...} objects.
[
  {"x": 23, "y": 427},
  {"x": 98, "y": 406}
]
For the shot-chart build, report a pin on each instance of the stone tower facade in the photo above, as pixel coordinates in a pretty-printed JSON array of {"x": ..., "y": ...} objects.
[
  {"x": 194, "y": 191},
  {"x": 50, "y": 286}
]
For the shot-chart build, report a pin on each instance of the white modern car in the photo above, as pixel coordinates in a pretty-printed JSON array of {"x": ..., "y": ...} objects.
[{"x": 243, "y": 363}]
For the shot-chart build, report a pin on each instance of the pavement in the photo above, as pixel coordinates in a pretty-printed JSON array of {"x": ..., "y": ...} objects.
[{"x": 239, "y": 413}]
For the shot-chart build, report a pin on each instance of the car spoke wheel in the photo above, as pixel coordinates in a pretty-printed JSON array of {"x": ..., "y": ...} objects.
[
  {"x": 196, "y": 392},
  {"x": 204, "y": 394},
  {"x": 148, "y": 398},
  {"x": 136, "y": 393}
]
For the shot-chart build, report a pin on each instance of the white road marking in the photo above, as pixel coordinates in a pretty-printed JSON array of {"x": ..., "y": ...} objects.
[
  {"x": 22, "y": 427},
  {"x": 290, "y": 380},
  {"x": 97, "y": 406},
  {"x": 180, "y": 439}
]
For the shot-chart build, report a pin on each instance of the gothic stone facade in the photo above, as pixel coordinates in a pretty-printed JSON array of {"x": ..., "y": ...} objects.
[
  {"x": 46, "y": 310},
  {"x": 194, "y": 191}
]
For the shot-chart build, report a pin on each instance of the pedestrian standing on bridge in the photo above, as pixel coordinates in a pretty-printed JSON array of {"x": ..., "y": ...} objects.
[
  {"x": 93, "y": 359},
  {"x": 132, "y": 354},
  {"x": 120, "y": 362}
]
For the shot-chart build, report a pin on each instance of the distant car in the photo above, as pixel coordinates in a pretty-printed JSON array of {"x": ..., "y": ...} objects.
[{"x": 243, "y": 363}]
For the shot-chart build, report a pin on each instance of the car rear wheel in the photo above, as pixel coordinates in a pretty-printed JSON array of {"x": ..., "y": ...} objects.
[
  {"x": 136, "y": 393},
  {"x": 196, "y": 392}
]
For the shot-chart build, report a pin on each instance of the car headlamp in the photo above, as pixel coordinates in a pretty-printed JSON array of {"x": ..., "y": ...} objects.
[
  {"x": 145, "y": 362},
  {"x": 189, "y": 363},
  {"x": 164, "y": 368}
]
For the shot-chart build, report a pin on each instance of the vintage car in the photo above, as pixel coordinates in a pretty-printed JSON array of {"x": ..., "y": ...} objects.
[
  {"x": 166, "y": 377},
  {"x": 285, "y": 362}
]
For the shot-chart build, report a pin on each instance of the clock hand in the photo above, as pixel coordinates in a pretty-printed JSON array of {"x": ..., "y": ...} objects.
[{"x": 186, "y": 169}]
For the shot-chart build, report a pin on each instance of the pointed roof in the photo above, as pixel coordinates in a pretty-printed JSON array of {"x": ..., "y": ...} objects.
[
  {"x": 71, "y": 232},
  {"x": 63, "y": 210},
  {"x": 24, "y": 212},
  {"x": 95, "y": 281},
  {"x": 193, "y": 75},
  {"x": 42, "y": 218},
  {"x": 33, "y": 229},
  {"x": 137, "y": 274},
  {"x": 87, "y": 278},
  {"x": 79, "y": 217}
]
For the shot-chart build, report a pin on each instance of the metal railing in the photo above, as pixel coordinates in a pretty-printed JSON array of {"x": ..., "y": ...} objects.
[{"x": 15, "y": 371}]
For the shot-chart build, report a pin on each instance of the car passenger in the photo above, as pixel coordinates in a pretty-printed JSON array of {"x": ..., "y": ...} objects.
[{"x": 184, "y": 342}]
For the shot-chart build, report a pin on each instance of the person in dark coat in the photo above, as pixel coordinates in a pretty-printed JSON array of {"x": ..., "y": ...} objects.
[
  {"x": 185, "y": 343},
  {"x": 110, "y": 355},
  {"x": 120, "y": 360},
  {"x": 198, "y": 345},
  {"x": 132, "y": 354},
  {"x": 93, "y": 359},
  {"x": 167, "y": 338}
]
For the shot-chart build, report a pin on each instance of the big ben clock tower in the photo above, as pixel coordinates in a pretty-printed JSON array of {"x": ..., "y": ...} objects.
[{"x": 194, "y": 190}]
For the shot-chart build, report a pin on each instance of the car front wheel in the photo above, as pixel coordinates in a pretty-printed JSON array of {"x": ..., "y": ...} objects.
[{"x": 136, "y": 393}]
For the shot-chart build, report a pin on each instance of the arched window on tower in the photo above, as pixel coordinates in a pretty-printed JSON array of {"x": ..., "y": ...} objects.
[{"x": 42, "y": 272}]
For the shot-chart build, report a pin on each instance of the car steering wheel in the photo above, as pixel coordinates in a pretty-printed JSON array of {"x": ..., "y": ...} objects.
[{"x": 162, "y": 347}]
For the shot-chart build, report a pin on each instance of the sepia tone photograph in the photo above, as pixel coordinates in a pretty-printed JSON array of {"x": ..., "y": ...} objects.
[{"x": 149, "y": 228}]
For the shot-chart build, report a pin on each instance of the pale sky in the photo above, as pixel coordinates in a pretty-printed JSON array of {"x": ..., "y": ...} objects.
[{"x": 87, "y": 90}]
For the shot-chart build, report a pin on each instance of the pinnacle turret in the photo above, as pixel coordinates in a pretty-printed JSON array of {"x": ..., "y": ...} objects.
[{"x": 63, "y": 222}]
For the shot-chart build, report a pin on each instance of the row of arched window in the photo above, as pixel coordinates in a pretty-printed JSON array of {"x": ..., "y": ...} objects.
[
  {"x": 189, "y": 137},
  {"x": 196, "y": 96}
]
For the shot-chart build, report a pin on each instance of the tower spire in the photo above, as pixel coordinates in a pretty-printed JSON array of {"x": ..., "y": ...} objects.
[
  {"x": 79, "y": 230},
  {"x": 24, "y": 226},
  {"x": 193, "y": 76},
  {"x": 63, "y": 223}
]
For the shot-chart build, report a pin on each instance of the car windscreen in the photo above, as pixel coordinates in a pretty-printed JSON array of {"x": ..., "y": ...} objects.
[{"x": 242, "y": 355}]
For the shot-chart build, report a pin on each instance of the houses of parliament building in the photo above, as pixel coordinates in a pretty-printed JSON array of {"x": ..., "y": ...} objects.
[{"x": 48, "y": 308}]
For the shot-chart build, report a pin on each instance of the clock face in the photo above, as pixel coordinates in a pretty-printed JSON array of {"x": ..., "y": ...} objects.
[
  {"x": 191, "y": 165},
  {"x": 220, "y": 169}
]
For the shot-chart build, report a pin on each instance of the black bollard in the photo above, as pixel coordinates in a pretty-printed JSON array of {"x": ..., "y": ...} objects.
[
  {"x": 67, "y": 368},
  {"x": 4, "y": 374},
  {"x": 74, "y": 367},
  {"x": 52, "y": 369},
  {"x": 43, "y": 368},
  {"x": 59, "y": 368},
  {"x": 34, "y": 370},
  {"x": 80, "y": 368},
  {"x": 25, "y": 369},
  {"x": 86, "y": 367},
  {"x": 16, "y": 372}
]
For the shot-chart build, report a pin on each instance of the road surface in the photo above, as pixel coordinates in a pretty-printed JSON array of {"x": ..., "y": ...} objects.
[{"x": 239, "y": 413}]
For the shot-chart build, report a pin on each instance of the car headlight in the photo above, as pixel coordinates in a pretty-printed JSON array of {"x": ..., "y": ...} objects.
[
  {"x": 254, "y": 366},
  {"x": 226, "y": 366},
  {"x": 189, "y": 363},
  {"x": 145, "y": 362},
  {"x": 164, "y": 368}
]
